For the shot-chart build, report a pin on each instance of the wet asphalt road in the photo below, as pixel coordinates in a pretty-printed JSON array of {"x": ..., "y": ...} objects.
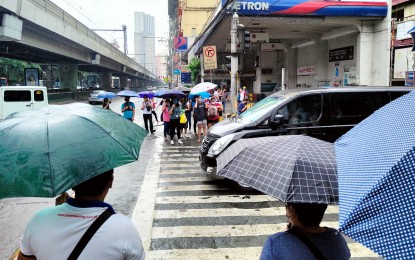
[{"x": 16, "y": 212}]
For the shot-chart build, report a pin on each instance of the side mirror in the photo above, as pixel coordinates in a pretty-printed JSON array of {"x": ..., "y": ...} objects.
[{"x": 276, "y": 120}]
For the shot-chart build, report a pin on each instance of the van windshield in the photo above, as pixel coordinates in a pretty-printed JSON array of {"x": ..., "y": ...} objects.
[{"x": 263, "y": 107}]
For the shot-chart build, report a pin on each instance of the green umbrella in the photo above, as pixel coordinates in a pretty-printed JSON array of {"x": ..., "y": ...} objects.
[{"x": 46, "y": 152}]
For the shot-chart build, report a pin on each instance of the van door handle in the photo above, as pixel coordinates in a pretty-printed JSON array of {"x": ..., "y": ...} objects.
[{"x": 29, "y": 105}]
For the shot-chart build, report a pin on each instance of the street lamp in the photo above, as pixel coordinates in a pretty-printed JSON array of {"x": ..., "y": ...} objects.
[
  {"x": 137, "y": 54},
  {"x": 170, "y": 45},
  {"x": 124, "y": 29}
]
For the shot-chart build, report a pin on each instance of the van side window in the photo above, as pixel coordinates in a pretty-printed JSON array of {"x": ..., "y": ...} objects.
[
  {"x": 39, "y": 95},
  {"x": 303, "y": 109},
  {"x": 352, "y": 108},
  {"x": 17, "y": 96}
]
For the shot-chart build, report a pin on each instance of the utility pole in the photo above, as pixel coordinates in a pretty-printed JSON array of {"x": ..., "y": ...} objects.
[{"x": 234, "y": 59}]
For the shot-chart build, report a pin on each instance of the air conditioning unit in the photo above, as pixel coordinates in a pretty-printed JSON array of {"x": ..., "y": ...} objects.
[
  {"x": 259, "y": 37},
  {"x": 272, "y": 46}
]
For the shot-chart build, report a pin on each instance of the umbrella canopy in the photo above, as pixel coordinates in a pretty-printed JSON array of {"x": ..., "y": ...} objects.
[
  {"x": 149, "y": 94},
  {"x": 183, "y": 89},
  {"x": 376, "y": 166},
  {"x": 170, "y": 93},
  {"x": 46, "y": 152},
  {"x": 202, "y": 94},
  {"x": 291, "y": 168},
  {"x": 127, "y": 93},
  {"x": 107, "y": 95},
  {"x": 412, "y": 33},
  {"x": 203, "y": 87}
]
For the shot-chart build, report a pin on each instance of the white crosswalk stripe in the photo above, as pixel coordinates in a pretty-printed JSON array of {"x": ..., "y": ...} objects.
[{"x": 223, "y": 224}]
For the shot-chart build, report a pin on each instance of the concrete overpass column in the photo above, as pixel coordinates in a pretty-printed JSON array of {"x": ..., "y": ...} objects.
[
  {"x": 290, "y": 65},
  {"x": 134, "y": 83},
  {"x": 123, "y": 82},
  {"x": 257, "y": 83},
  {"x": 364, "y": 59},
  {"x": 106, "y": 80},
  {"x": 68, "y": 76}
]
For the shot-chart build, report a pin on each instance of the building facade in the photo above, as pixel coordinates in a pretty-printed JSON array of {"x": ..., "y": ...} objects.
[
  {"x": 144, "y": 41},
  {"x": 403, "y": 58}
]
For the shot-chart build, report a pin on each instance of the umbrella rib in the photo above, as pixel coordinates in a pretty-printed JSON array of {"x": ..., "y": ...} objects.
[{"x": 50, "y": 163}]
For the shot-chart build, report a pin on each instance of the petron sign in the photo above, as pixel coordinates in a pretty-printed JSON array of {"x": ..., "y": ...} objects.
[{"x": 368, "y": 8}]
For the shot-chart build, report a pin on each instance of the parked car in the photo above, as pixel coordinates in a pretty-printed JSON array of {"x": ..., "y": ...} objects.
[
  {"x": 322, "y": 113},
  {"x": 93, "y": 97}
]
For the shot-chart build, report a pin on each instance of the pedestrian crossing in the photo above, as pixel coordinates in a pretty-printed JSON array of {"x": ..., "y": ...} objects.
[{"x": 194, "y": 217}]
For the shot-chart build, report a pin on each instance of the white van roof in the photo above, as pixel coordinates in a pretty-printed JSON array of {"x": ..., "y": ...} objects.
[{"x": 23, "y": 87}]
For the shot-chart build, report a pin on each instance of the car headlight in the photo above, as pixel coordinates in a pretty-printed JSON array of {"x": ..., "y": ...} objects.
[{"x": 220, "y": 144}]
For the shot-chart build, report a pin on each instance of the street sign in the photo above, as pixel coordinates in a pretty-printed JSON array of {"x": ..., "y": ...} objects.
[
  {"x": 209, "y": 58},
  {"x": 176, "y": 72},
  {"x": 186, "y": 77}
]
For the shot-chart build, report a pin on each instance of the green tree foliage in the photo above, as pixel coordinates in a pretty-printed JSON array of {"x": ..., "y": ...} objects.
[
  {"x": 13, "y": 70},
  {"x": 194, "y": 67}
]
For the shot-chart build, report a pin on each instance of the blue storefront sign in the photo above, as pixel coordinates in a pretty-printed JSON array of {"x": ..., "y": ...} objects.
[
  {"x": 186, "y": 77},
  {"x": 309, "y": 8}
]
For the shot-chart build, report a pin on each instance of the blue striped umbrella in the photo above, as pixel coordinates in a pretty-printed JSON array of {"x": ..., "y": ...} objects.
[{"x": 376, "y": 171}]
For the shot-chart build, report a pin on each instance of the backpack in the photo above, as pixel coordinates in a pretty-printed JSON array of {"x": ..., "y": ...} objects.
[{"x": 212, "y": 111}]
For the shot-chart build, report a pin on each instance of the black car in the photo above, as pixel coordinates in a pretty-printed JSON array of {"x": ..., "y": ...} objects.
[{"x": 323, "y": 113}]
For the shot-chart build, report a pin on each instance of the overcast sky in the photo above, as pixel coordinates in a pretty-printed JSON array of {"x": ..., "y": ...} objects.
[{"x": 112, "y": 14}]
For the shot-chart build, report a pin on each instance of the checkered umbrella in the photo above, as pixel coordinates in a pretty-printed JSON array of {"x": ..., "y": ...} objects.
[
  {"x": 291, "y": 168},
  {"x": 376, "y": 165}
]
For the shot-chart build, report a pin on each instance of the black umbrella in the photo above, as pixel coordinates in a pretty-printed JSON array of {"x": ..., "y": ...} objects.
[{"x": 291, "y": 168}]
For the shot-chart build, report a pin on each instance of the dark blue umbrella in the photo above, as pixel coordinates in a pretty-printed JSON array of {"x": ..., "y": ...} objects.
[
  {"x": 412, "y": 33},
  {"x": 376, "y": 171},
  {"x": 127, "y": 93},
  {"x": 170, "y": 93},
  {"x": 107, "y": 95},
  {"x": 149, "y": 94}
]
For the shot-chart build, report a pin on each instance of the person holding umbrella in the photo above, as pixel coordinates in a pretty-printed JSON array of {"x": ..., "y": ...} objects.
[
  {"x": 128, "y": 109},
  {"x": 147, "y": 107},
  {"x": 55, "y": 226},
  {"x": 175, "y": 121},
  {"x": 305, "y": 237}
]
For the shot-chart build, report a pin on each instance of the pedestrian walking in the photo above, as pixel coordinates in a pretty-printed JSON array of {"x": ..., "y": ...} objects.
[
  {"x": 213, "y": 110},
  {"x": 55, "y": 232},
  {"x": 153, "y": 111},
  {"x": 305, "y": 238},
  {"x": 128, "y": 109},
  {"x": 106, "y": 104},
  {"x": 242, "y": 106},
  {"x": 166, "y": 118},
  {"x": 200, "y": 117},
  {"x": 175, "y": 121},
  {"x": 147, "y": 107},
  {"x": 183, "y": 118},
  {"x": 224, "y": 99},
  {"x": 189, "y": 109}
]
